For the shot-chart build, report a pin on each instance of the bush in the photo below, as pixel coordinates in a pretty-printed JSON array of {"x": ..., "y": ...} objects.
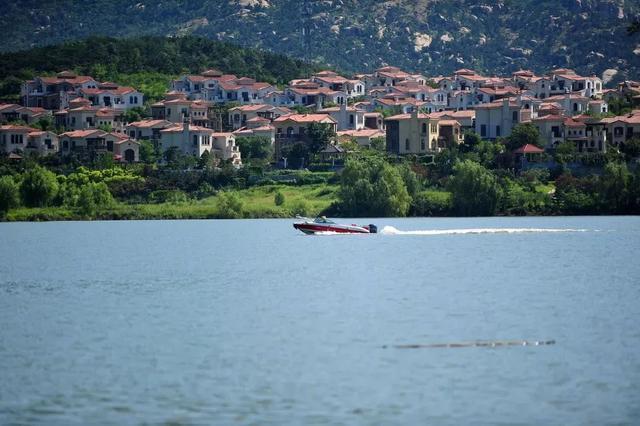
[
  {"x": 92, "y": 196},
  {"x": 300, "y": 208},
  {"x": 168, "y": 196},
  {"x": 9, "y": 194},
  {"x": 278, "y": 199},
  {"x": 432, "y": 203},
  {"x": 230, "y": 205},
  {"x": 39, "y": 187}
]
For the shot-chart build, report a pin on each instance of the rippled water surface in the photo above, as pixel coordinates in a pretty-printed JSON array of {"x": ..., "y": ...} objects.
[{"x": 249, "y": 322}]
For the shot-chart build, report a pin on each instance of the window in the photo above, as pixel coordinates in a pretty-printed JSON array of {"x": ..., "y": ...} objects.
[
  {"x": 424, "y": 128},
  {"x": 422, "y": 144},
  {"x": 434, "y": 128},
  {"x": 514, "y": 116},
  {"x": 406, "y": 145},
  {"x": 483, "y": 130},
  {"x": 195, "y": 140},
  {"x": 497, "y": 131},
  {"x": 351, "y": 119}
]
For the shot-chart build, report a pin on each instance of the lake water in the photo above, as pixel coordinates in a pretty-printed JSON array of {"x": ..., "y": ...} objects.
[{"x": 251, "y": 322}]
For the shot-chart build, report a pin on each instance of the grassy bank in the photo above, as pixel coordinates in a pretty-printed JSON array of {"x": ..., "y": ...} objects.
[{"x": 256, "y": 202}]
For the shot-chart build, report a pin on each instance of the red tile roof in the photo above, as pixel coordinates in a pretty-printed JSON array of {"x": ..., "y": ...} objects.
[{"x": 529, "y": 149}]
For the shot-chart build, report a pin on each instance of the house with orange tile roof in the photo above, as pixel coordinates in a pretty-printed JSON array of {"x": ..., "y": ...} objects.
[
  {"x": 551, "y": 128},
  {"x": 92, "y": 142},
  {"x": 468, "y": 80},
  {"x": 147, "y": 129},
  {"x": 622, "y": 128},
  {"x": 496, "y": 119},
  {"x": 215, "y": 86},
  {"x": 362, "y": 137},
  {"x": 313, "y": 95},
  {"x": 466, "y": 118},
  {"x": 398, "y": 103},
  {"x": 111, "y": 95},
  {"x": 14, "y": 112},
  {"x": 413, "y": 133},
  {"x": 346, "y": 117},
  {"x": 54, "y": 92},
  {"x": 178, "y": 108},
  {"x": 293, "y": 129},
  {"x": 338, "y": 83},
  {"x": 238, "y": 116},
  {"x": 575, "y": 103},
  {"x": 23, "y": 139},
  {"x": 195, "y": 140},
  {"x": 81, "y": 116}
]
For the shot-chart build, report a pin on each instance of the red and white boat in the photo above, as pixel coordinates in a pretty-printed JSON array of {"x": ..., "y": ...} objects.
[{"x": 322, "y": 225}]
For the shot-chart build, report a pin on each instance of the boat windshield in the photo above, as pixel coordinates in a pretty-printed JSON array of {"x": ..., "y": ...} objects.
[{"x": 322, "y": 219}]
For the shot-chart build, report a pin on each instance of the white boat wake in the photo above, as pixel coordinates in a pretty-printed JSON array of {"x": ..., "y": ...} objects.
[{"x": 390, "y": 230}]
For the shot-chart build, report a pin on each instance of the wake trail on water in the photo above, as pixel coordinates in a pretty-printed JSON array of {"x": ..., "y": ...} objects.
[{"x": 390, "y": 230}]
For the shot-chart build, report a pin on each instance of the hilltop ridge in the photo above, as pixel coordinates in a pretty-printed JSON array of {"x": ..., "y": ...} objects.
[{"x": 428, "y": 36}]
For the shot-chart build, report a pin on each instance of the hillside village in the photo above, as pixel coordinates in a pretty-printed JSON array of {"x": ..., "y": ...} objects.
[{"x": 414, "y": 114}]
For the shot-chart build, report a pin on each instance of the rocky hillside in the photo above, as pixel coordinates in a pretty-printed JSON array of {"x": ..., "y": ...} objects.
[{"x": 429, "y": 36}]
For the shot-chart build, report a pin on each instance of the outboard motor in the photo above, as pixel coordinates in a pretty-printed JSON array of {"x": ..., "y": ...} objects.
[{"x": 373, "y": 229}]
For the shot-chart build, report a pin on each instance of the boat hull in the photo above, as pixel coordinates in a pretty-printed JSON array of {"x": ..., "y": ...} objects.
[{"x": 314, "y": 228}]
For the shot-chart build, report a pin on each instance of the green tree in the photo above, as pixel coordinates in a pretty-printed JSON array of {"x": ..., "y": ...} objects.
[
  {"x": 614, "y": 187},
  {"x": 373, "y": 187},
  {"x": 106, "y": 128},
  {"x": 471, "y": 140},
  {"x": 148, "y": 153},
  {"x": 45, "y": 123},
  {"x": 9, "y": 194},
  {"x": 255, "y": 147},
  {"x": 379, "y": 144},
  {"x": 39, "y": 187},
  {"x": 320, "y": 135},
  {"x": 474, "y": 189},
  {"x": 564, "y": 152},
  {"x": 631, "y": 148},
  {"x": 206, "y": 161},
  {"x": 523, "y": 134}
]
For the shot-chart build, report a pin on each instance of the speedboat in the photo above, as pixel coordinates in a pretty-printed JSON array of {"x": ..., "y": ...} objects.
[{"x": 322, "y": 225}]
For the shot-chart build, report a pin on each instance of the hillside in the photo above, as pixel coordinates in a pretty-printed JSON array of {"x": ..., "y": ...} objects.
[
  {"x": 147, "y": 63},
  {"x": 429, "y": 36}
]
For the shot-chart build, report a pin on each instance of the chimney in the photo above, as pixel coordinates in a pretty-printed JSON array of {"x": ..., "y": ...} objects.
[
  {"x": 343, "y": 122},
  {"x": 318, "y": 103},
  {"x": 186, "y": 122}
]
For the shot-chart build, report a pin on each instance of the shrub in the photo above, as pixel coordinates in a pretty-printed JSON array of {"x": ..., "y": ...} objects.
[
  {"x": 230, "y": 205},
  {"x": 9, "y": 194},
  {"x": 278, "y": 199},
  {"x": 39, "y": 187},
  {"x": 432, "y": 203},
  {"x": 300, "y": 208},
  {"x": 168, "y": 196}
]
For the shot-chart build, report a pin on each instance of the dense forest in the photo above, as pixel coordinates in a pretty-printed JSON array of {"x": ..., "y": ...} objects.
[
  {"x": 147, "y": 63},
  {"x": 426, "y": 36}
]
